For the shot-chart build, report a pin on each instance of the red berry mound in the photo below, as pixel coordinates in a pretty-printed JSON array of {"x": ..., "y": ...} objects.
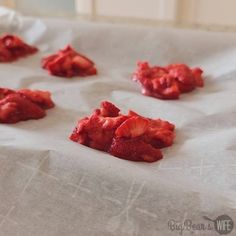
[
  {"x": 25, "y": 104},
  {"x": 13, "y": 48},
  {"x": 69, "y": 63},
  {"x": 131, "y": 137},
  {"x": 167, "y": 82}
]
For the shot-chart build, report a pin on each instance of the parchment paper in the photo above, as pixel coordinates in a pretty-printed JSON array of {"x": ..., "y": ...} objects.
[{"x": 52, "y": 186}]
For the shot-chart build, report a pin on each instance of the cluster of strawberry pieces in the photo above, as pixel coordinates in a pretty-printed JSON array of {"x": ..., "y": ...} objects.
[
  {"x": 69, "y": 63},
  {"x": 131, "y": 137},
  {"x": 13, "y": 48},
  {"x": 167, "y": 82},
  {"x": 24, "y": 104}
]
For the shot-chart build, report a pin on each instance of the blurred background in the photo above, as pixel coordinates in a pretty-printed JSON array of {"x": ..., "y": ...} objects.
[{"x": 192, "y": 13}]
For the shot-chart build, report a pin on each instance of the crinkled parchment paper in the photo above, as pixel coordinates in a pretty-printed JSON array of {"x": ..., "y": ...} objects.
[{"x": 54, "y": 187}]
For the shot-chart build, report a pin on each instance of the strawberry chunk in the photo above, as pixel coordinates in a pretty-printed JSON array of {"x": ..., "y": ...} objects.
[
  {"x": 41, "y": 98},
  {"x": 133, "y": 127},
  {"x": 21, "y": 105},
  {"x": 134, "y": 150},
  {"x": 13, "y": 48},
  {"x": 166, "y": 88},
  {"x": 183, "y": 75},
  {"x": 14, "y": 108},
  {"x": 4, "y": 92},
  {"x": 69, "y": 63},
  {"x": 131, "y": 137},
  {"x": 167, "y": 82},
  {"x": 108, "y": 109},
  {"x": 97, "y": 131},
  {"x": 197, "y": 72}
]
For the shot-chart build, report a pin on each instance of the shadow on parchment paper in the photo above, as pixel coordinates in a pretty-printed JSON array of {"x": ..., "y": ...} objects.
[
  {"x": 52, "y": 121},
  {"x": 26, "y": 82}
]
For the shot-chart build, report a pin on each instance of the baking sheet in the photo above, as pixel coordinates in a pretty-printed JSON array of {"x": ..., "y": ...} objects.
[{"x": 52, "y": 186}]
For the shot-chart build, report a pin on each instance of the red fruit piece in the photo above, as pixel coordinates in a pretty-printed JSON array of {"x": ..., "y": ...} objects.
[
  {"x": 183, "y": 75},
  {"x": 4, "y": 92},
  {"x": 69, "y": 63},
  {"x": 41, "y": 98},
  {"x": 165, "y": 87},
  {"x": 14, "y": 108},
  {"x": 108, "y": 109},
  {"x": 130, "y": 137},
  {"x": 97, "y": 131},
  {"x": 134, "y": 150},
  {"x": 197, "y": 72},
  {"x": 13, "y": 48},
  {"x": 133, "y": 127},
  {"x": 160, "y": 134},
  {"x": 167, "y": 82},
  {"x": 23, "y": 105}
]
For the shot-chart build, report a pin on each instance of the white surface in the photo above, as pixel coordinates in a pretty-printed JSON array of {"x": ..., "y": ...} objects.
[{"x": 51, "y": 186}]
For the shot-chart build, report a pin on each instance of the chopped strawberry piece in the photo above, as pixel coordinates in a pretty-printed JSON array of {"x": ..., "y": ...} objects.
[
  {"x": 133, "y": 127},
  {"x": 82, "y": 62},
  {"x": 197, "y": 72},
  {"x": 13, "y": 48},
  {"x": 161, "y": 124},
  {"x": 14, "y": 108},
  {"x": 160, "y": 138},
  {"x": 69, "y": 63},
  {"x": 91, "y": 71},
  {"x": 131, "y": 137},
  {"x": 166, "y": 86},
  {"x": 134, "y": 150},
  {"x": 23, "y": 105},
  {"x": 97, "y": 131},
  {"x": 183, "y": 75},
  {"x": 167, "y": 82},
  {"x": 108, "y": 109},
  {"x": 160, "y": 133},
  {"x": 4, "y": 92},
  {"x": 132, "y": 113},
  {"x": 41, "y": 98}
]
